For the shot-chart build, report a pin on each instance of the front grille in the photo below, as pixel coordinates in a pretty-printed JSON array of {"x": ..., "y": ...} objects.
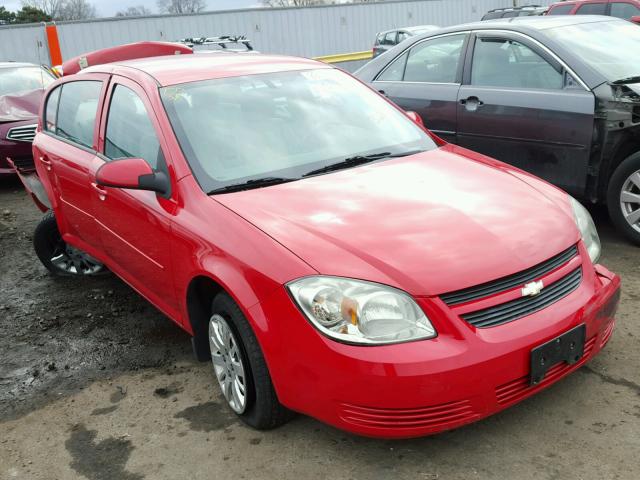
[
  {"x": 432, "y": 416},
  {"x": 520, "y": 388},
  {"x": 25, "y": 133},
  {"x": 507, "y": 283},
  {"x": 509, "y": 311}
]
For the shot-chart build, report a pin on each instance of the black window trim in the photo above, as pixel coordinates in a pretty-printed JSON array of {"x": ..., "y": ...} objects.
[
  {"x": 461, "y": 62},
  {"x": 526, "y": 40}
]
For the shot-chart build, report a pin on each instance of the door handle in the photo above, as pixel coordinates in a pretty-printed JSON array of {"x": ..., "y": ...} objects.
[
  {"x": 471, "y": 103},
  {"x": 45, "y": 162},
  {"x": 102, "y": 193},
  {"x": 382, "y": 92}
]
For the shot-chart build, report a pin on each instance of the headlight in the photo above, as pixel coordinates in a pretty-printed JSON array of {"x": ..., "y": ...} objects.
[
  {"x": 354, "y": 311},
  {"x": 587, "y": 229}
]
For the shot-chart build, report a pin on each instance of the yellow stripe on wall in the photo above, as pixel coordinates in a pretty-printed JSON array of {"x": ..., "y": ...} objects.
[{"x": 346, "y": 57}]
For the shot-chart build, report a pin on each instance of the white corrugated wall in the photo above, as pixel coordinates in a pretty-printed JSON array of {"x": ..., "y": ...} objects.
[{"x": 306, "y": 32}]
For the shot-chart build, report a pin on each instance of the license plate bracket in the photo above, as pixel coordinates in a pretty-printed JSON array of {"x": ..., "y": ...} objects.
[{"x": 568, "y": 347}]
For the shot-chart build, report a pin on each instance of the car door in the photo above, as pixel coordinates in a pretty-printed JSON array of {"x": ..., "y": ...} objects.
[
  {"x": 425, "y": 78},
  {"x": 519, "y": 104},
  {"x": 68, "y": 153},
  {"x": 135, "y": 225}
]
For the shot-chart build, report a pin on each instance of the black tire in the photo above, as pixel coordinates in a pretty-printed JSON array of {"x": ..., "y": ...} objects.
[
  {"x": 263, "y": 411},
  {"x": 618, "y": 180},
  {"x": 48, "y": 243}
]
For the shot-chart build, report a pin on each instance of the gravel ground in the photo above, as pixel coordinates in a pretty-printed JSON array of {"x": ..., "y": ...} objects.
[{"x": 96, "y": 384}]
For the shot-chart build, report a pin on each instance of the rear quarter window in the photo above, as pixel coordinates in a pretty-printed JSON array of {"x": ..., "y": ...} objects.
[
  {"x": 561, "y": 10},
  {"x": 52, "y": 110}
]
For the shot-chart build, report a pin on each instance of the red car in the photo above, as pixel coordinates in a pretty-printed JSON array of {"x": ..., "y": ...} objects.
[
  {"x": 625, "y": 9},
  {"x": 329, "y": 254},
  {"x": 21, "y": 89}
]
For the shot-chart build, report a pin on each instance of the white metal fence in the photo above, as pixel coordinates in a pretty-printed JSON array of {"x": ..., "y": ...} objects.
[{"x": 308, "y": 32}]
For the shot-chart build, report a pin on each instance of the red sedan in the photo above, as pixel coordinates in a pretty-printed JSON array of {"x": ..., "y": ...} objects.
[{"x": 329, "y": 254}]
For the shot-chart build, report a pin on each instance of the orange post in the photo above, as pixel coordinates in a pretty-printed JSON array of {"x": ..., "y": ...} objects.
[{"x": 54, "y": 44}]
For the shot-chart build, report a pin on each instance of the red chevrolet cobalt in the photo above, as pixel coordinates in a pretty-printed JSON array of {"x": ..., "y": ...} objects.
[{"x": 327, "y": 253}]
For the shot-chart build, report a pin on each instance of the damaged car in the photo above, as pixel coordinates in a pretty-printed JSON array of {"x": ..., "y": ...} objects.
[
  {"x": 327, "y": 253},
  {"x": 558, "y": 96},
  {"x": 21, "y": 89}
]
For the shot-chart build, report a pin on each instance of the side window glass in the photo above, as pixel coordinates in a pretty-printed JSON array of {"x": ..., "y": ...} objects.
[
  {"x": 402, "y": 36},
  {"x": 52, "y": 110},
  {"x": 624, "y": 10},
  {"x": 561, "y": 10},
  {"x": 389, "y": 38},
  {"x": 435, "y": 61},
  {"x": 77, "y": 109},
  {"x": 592, "y": 9},
  {"x": 394, "y": 72},
  {"x": 500, "y": 62},
  {"x": 130, "y": 133}
]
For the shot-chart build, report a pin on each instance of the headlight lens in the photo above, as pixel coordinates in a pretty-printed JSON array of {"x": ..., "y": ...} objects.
[
  {"x": 587, "y": 229},
  {"x": 354, "y": 311}
]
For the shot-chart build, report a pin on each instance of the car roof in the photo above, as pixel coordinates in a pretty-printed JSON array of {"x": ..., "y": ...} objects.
[
  {"x": 16, "y": 64},
  {"x": 528, "y": 23},
  {"x": 175, "y": 69}
]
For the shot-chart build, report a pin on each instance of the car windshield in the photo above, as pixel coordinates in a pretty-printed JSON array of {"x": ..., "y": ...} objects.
[
  {"x": 284, "y": 125},
  {"x": 612, "y": 47},
  {"x": 14, "y": 81}
]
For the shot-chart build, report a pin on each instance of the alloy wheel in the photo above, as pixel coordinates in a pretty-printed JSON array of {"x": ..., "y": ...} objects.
[
  {"x": 227, "y": 363},
  {"x": 630, "y": 200},
  {"x": 71, "y": 260}
]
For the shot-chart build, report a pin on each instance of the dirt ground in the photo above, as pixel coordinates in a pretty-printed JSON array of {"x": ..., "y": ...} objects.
[{"x": 96, "y": 384}]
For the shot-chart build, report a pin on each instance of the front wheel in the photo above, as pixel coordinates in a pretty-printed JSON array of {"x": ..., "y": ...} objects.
[
  {"x": 623, "y": 198},
  {"x": 59, "y": 257},
  {"x": 240, "y": 368}
]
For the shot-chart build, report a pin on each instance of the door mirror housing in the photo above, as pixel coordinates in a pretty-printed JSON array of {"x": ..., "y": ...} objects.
[
  {"x": 417, "y": 119},
  {"x": 133, "y": 173},
  {"x": 636, "y": 19}
]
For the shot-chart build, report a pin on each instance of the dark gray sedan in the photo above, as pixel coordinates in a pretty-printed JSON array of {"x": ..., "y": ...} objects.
[{"x": 556, "y": 96}]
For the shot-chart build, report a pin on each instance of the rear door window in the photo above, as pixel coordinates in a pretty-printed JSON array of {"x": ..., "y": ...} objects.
[
  {"x": 77, "y": 110},
  {"x": 624, "y": 10},
  {"x": 435, "y": 61},
  {"x": 592, "y": 9},
  {"x": 561, "y": 10}
]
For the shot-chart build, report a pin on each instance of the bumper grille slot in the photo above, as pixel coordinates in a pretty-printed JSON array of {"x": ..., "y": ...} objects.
[
  {"x": 518, "y": 389},
  {"x": 432, "y": 416},
  {"x": 512, "y": 281},
  {"x": 25, "y": 133},
  {"x": 521, "y": 307},
  {"x": 24, "y": 163}
]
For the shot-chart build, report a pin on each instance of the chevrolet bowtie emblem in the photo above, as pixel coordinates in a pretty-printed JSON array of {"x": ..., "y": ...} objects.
[{"x": 532, "y": 289}]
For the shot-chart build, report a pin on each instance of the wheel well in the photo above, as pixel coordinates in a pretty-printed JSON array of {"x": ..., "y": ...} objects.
[
  {"x": 627, "y": 146},
  {"x": 200, "y": 294}
]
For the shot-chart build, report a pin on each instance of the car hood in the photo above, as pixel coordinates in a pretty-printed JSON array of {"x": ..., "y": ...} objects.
[
  {"x": 429, "y": 223},
  {"x": 14, "y": 108}
]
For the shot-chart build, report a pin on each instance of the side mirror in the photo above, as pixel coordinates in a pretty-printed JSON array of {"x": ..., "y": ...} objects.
[
  {"x": 134, "y": 173},
  {"x": 415, "y": 117},
  {"x": 636, "y": 19}
]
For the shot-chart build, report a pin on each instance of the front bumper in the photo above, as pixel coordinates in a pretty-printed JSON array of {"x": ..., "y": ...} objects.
[{"x": 424, "y": 387}]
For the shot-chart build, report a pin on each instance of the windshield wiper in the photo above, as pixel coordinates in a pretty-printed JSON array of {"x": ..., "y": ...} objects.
[
  {"x": 254, "y": 183},
  {"x": 623, "y": 81},
  {"x": 358, "y": 160}
]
